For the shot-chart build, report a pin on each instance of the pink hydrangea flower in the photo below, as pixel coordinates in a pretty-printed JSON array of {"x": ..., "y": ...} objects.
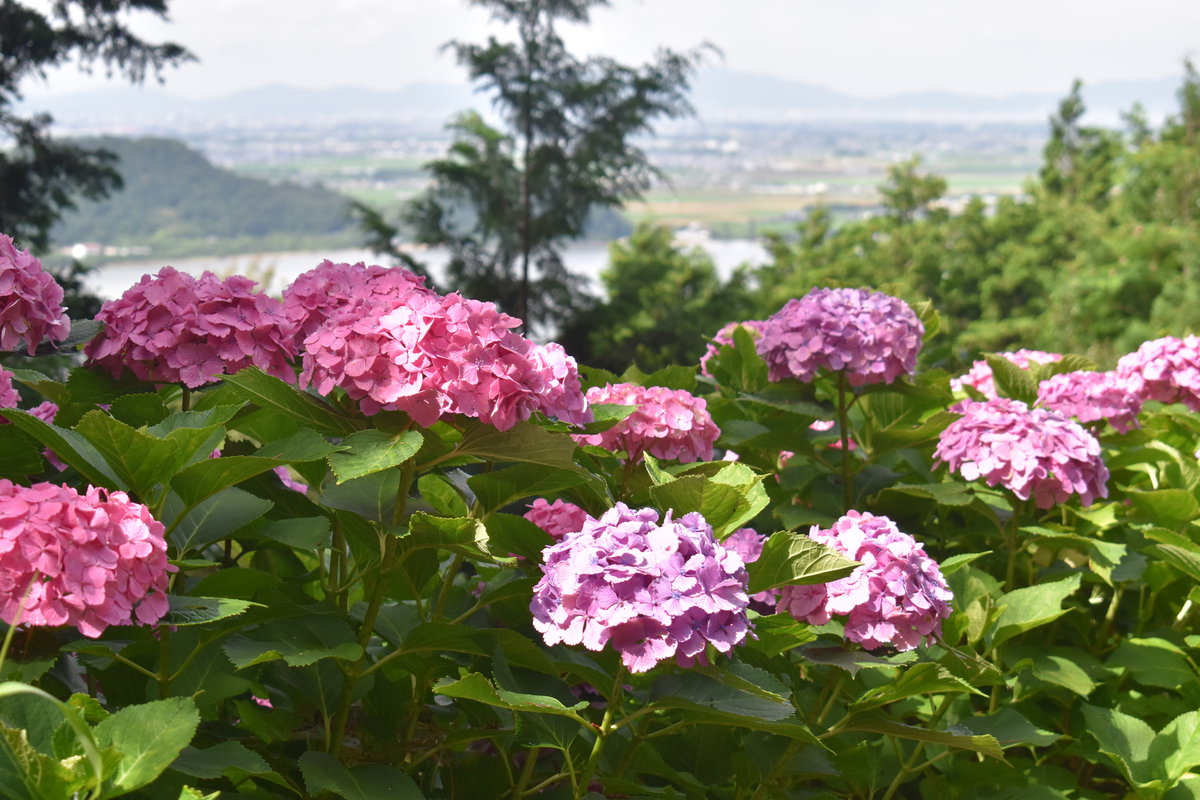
[
  {"x": 558, "y": 518},
  {"x": 31, "y": 300},
  {"x": 46, "y": 412},
  {"x": 89, "y": 560},
  {"x": 871, "y": 336},
  {"x": 980, "y": 378},
  {"x": 285, "y": 477},
  {"x": 429, "y": 355},
  {"x": 1093, "y": 396},
  {"x": 650, "y": 590},
  {"x": 1166, "y": 370},
  {"x": 724, "y": 338},
  {"x": 9, "y": 397},
  {"x": 896, "y": 596},
  {"x": 331, "y": 289},
  {"x": 668, "y": 423},
  {"x": 173, "y": 328},
  {"x": 1031, "y": 452}
]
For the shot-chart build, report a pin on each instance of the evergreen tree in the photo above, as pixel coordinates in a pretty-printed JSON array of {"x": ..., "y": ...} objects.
[
  {"x": 41, "y": 177},
  {"x": 504, "y": 201}
]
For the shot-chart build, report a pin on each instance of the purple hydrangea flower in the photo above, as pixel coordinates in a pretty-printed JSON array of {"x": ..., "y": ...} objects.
[
  {"x": 871, "y": 336},
  {"x": 1031, "y": 452},
  {"x": 31, "y": 300},
  {"x": 649, "y": 590},
  {"x": 1093, "y": 396},
  {"x": 897, "y": 596},
  {"x": 1166, "y": 370},
  {"x": 9, "y": 396}
]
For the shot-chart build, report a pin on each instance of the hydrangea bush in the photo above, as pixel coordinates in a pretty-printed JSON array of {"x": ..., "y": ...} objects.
[{"x": 370, "y": 541}]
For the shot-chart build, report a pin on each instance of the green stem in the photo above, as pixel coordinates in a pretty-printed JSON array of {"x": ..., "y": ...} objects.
[
  {"x": 844, "y": 430},
  {"x": 527, "y": 769},
  {"x": 908, "y": 768},
  {"x": 602, "y": 732},
  {"x": 389, "y": 548},
  {"x": 164, "y": 658},
  {"x": 440, "y": 603},
  {"x": 1012, "y": 539},
  {"x": 828, "y": 697},
  {"x": 185, "y": 399}
]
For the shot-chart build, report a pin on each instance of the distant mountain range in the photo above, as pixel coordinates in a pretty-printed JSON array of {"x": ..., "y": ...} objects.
[{"x": 718, "y": 95}]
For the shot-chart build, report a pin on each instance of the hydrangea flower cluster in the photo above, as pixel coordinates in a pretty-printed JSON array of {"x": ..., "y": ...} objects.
[
  {"x": 896, "y": 596},
  {"x": 668, "y": 423},
  {"x": 174, "y": 328},
  {"x": 331, "y": 289},
  {"x": 650, "y": 591},
  {"x": 1093, "y": 396},
  {"x": 724, "y": 338},
  {"x": 558, "y": 518},
  {"x": 871, "y": 336},
  {"x": 1031, "y": 452},
  {"x": 980, "y": 378},
  {"x": 31, "y": 301},
  {"x": 429, "y": 355},
  {"x": 1166, "y": 370},
  {"x": 89, "y": 560}
]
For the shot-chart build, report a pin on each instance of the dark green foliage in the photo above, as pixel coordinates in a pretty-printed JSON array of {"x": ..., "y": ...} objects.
[
  {"x": 40, "y": 177},
  {"x": 662, "y": 301}
]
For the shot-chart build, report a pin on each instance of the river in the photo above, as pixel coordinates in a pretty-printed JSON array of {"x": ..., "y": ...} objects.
[{"x": 276, "y": 270}]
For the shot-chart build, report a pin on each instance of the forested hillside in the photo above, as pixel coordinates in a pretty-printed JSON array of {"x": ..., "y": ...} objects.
[{"x": 174, "y": 200}]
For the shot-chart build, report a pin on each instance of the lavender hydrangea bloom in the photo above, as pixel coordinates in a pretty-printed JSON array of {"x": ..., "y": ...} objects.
[
  {"x": 871, "y": 336},
  {"x": 1093, "y": 396},
  {"x": 897, "y": 596},
  {"x": 1166, "y": 370},
  {"x": 649, "y": 590},
  {"x": 1031, "y": 452}
]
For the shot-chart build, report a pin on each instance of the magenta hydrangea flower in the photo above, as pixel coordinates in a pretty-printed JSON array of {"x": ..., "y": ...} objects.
[
  {"x": 1031, "y": 452},
  {"x": 1093, "y": 396},
  {"x": 89, "y": 560},
  {"x": 871, "y": 336},
  {"x": 174, "y": 328},
  {"x": 896, "y": 596},
  {"x": 331, "y": 289},
  {"x": 1166, "y": 370},
  {"x": 650, "y": 590},
  {"x": 429, "y": 355},
  {"x": 668, "y": 423},
  {"x": 558, "y": 518},
  {"x": 724, "y": 338},
  {"x": 31, "y": 301},
  {"x": 980, "y": 378}
]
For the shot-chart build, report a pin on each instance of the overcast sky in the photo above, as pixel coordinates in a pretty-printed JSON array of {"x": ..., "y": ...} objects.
[{"x": 865, "y": 47}]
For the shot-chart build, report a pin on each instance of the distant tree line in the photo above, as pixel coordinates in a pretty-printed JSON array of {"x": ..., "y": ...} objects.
[{"x": 1099, "y": 253}]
